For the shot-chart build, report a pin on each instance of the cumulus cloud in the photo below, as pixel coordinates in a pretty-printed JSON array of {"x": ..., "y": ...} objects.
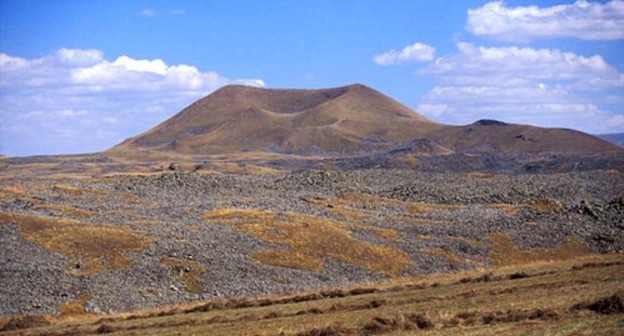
[
  {"x": 59, "y": 102},
  {"x": 582, "y": 19},
  {"x": 417, "y": 52},
  {"x": 523, "y": 85},
  {"x": 515, "y": 65}
]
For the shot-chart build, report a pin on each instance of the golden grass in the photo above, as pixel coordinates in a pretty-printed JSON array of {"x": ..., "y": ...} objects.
[
  {"x": 481, "y": 175},
  {"x": 290, "y": 259},
  {"x": 67, "y": 189},
  {"x": 74, "y": 308},
  {"x": 469, "y": 303},
  {"x": 511, "y": 209},
  {"x": 92, "y": 248},
  {"x": 13, "y": 190},
  {"x": 446, "y": 254},
  {"x": 347, "y": 213},
  {"x": 472, "y": 242},
  {"x": 544, "y": 206},
  {"x": 311, "y": 239},
  {"x": 504, "y": 253},
  {"x": 425, "y": 208},
  {"x": 188, "y": 271},
  {"x": 237, "y": 216},
  {"x": 384, "y": 233}
]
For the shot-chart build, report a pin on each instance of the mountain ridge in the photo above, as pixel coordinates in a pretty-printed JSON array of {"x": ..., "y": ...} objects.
[{"x": 335, "y": 121}]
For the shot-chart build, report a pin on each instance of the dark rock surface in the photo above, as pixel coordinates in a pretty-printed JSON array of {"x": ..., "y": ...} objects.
[{"x": 586, "y": 205}]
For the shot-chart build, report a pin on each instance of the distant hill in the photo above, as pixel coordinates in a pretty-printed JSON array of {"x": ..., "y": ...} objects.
[
  {"x": 616, "y": 138},
  {"x": 353, "y": 119}
]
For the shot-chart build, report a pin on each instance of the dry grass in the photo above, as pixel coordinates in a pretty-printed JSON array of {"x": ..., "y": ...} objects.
[
  {"x": 449, "y": 256},
  {"x": 580, "y": 296},
  {"x": 74, "y": 308},
  {"x": 311, "y": 239},
  {"x": 290, "y": 259},
  {"x": 504, "y": 252},
  {"x": 12, "y": 190},
  {"x": 188, "y": 271},
  {"x": 472, "y": 242},
  {"x": 347, "y": 213},
  {"x": 92, "y": 248},
  {"x": 482, "y": 175},
  {"x": 70, "y": 190},
  {"x": 545, "y": 206},
  {"x": 389, "y": 234},
  {"x": 425, "y": 208}
]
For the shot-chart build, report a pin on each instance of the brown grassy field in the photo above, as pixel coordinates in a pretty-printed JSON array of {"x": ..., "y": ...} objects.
[{"x": 578, "y": 296}]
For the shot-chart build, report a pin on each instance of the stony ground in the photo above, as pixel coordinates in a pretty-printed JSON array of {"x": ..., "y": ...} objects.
[{"x": 441, "y": 221}]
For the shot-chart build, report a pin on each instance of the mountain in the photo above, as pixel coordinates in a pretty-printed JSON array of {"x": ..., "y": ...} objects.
[
  {"x": 491, "y": 136},
  {"x": 616, "y": 138},
  {"x": 353, "y": 119},
  {"x": 242, "y": 118}
]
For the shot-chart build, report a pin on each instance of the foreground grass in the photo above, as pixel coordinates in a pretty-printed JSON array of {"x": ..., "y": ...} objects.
[{"x": 582, "y": 296}]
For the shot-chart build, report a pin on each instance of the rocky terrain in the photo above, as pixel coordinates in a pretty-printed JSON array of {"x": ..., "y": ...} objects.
[{"x": 126, "y": 242}]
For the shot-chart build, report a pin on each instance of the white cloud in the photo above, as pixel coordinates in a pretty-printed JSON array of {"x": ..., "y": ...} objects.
[
  {"x": 148, "y": 12},
  {"x": 545, "y": 87},
  {"x": 417, "y": 52},
  {"x": 513, "y": 64},
  {"x": 79, "y": 57},
  {"x": 582, "y": 19},
  {"x": 72, "y": 94}
]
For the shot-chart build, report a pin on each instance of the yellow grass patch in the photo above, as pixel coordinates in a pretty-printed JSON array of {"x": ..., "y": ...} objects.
[
  {"x": 233, "y": 216},
  {"x": 544, "y": 206},
  {"x": 67, "y": 189},
  {"x": 75, "y": 308},
  {"x": 481, "y": 175},
  {"x": 92, "y": 248},
  {"x": 310, "y": 239},
  {"x": 290, "y": 259},
  {"x": 347, "y": 213},
  {"x": 505, "y": 253},
  {"x": 471, "y": 242},
  {"x": 384, "y": 233},
  {"x": 443, "y": 253},
  {"x": 188, "y": 271},
  {"x": 423, "y": 208},
  {"x": 12, "y": 190}
]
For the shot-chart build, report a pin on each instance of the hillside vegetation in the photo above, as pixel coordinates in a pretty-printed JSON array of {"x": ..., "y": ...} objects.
[{"x": 579, "y": 296}]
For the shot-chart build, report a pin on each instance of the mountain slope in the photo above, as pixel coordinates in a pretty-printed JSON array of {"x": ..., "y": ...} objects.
[
  {"x": 488, "y": 136},
  {"x": 344, "y": 120},
  {"x": 240, "y": 118}
]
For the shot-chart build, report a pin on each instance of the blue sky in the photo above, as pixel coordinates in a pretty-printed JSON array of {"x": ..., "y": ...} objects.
[{"x": 80, "y": 76}]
